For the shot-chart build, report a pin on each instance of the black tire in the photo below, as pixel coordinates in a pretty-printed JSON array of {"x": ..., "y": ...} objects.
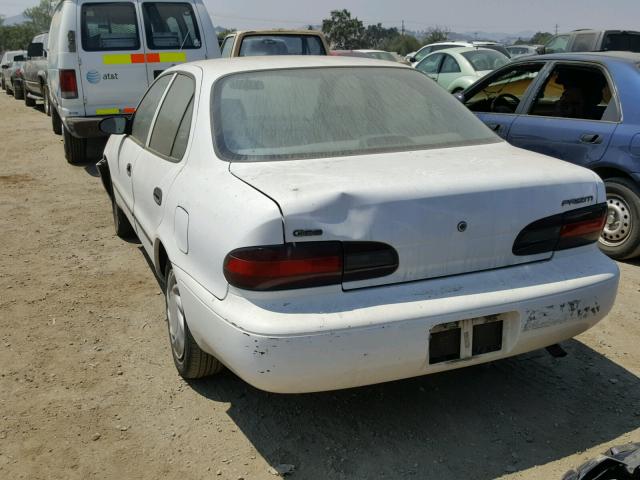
[
  {"x": 18, "y": 92},
  {"x": 621, "y": 236},
  {"x": 191, "y": 362},
  {"x": 46, "y": 103},
  {"x": 9, "y": 91},
  {"x": 56, "y": 122},
  {"x": 121, "y": 223},
  {"x": 2, "y": 84},
  {"x": 29, "y": 102},
  {"x": 75, "y": 149}
]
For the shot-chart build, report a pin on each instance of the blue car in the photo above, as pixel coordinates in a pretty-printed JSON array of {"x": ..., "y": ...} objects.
[{"x": 580, "y": 107}]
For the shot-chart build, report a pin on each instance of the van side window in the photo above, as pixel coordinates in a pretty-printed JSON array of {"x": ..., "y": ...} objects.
[
  {"x": 573, "y": 91},
  {"x": 174, "y": 120},
  {"x": 109, "y": 26},
  {"x": 147, "y": 109},
  {"x": 170, "y": 26}
]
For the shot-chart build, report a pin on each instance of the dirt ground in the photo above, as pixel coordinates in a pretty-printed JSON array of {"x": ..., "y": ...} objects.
[{"x": 88, "y": 388}]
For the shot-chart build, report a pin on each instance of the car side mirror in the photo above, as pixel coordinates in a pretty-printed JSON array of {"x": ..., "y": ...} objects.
[
  {"x": 115, "y": 126},
  {"x": 413, "y": 59},
  {"x": 459, "y": 96},
  {"x": 541, "y": 50}
]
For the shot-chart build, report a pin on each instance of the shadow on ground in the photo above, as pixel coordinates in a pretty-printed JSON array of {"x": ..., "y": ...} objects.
[{"x": 490, "y": 420}]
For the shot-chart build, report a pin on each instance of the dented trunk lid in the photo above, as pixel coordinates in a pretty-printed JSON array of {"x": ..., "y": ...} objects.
[{"x": 446, "y": 211}]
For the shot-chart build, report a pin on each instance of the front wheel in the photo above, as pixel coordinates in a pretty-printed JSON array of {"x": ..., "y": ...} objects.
[
  {"x": 189, "y": 359},
  {"x": 620, "y": 238},
  {"x": 75, "y": 149}
]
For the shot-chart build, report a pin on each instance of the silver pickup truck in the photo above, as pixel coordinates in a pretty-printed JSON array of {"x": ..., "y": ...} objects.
[{"x": 35, "y": 72}]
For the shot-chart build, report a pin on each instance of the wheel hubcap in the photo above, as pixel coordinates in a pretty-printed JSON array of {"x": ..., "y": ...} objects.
[
  {"x": 175, "y": 315},
  {"x": 619, "y": 222}
]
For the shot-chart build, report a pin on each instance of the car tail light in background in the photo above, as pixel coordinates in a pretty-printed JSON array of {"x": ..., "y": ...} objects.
[
  {"x": 560, "y": 232},
  {"x": 68, "y": 84},
  {"x": 307, "y": 264}
]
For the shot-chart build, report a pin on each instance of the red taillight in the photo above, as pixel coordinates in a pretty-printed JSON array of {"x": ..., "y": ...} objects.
[
  {"x": 560, "y": 232},
  {"x": 307, "y": 264},
  {"x": 18, "y": 72},
  {"x": 68, "y": 84}
]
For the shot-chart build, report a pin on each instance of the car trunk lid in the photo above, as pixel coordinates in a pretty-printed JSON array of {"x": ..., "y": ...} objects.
[{"x": 446, "y": 212}]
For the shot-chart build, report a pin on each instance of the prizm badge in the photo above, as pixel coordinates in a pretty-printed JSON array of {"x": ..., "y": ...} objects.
[
  {"x": 307, "y": 233},
  {"x": 577, "y": 201}
]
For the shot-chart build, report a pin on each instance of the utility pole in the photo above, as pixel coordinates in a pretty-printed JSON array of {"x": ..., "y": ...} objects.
[
  {"x": 403, "y": 28},
  {"x": 556, "y": 29}
]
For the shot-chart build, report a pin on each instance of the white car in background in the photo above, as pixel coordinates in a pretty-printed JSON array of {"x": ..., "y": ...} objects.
[
  {"x": 415, "y": 57},
  {"x": 456, "y": 69},
  {"x": 327, "y": 222}
]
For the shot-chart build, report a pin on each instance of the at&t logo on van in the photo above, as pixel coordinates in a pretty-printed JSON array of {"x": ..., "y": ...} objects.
[{"x": 93, "y": 76}]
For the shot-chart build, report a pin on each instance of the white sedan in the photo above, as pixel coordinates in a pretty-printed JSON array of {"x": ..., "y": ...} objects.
[{"x": 324, "y": 223}]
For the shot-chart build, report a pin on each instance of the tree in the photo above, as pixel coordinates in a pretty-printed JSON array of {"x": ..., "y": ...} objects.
[
  {"x": 342, "y": 31},
  {"x": 40, "y": 15},
  {"x": 436, "y": 34},
  {"x": 403, "y": 44},
  {"x": 541, "y": 38},
  {"x": 377, "y": 37},
  {"x": 16, "y": 37},
  {"x": 222, "y": 34}
]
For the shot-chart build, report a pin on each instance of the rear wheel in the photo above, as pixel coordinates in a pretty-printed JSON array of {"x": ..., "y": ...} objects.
[
  {"x": 46, "y": 105},
  {"x": 18, "y": 91},
  {"x": 74, "y": 148},
  {"x": 56, "y": 122},
  {"x": 189, "y": 359},
  {"x": 620, "y": 238}
]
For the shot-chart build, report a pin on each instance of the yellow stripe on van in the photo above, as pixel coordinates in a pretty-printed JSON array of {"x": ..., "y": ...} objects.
[
  {"x": 173, "y": 57},
  {"x": 107, "y": 111},
  {"x": 116, "y": 58}
]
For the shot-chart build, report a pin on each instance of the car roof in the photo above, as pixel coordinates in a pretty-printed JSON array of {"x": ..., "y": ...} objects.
[
  {"x": 277, "y": 32},
  {"x": 216, "y": 68},
  {"x": 625, "y": 57},
  {"x": 462, "y": 50}
]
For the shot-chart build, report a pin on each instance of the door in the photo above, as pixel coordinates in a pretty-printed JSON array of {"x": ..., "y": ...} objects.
[
  {"x": 172, "y": 35},
  {"x": 133, "y": 145},
  {"x": 431, "y": 65},
  {"x": 498, "y": 99},
  {"x": 159, "y": 164},
  {"x": 112, "y": 56},
  {"x": 572, "y": 116},
  {"x": 449, "y": 71}
]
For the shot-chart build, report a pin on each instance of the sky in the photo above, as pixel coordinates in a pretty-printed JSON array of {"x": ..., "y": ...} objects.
[{"x": 509, "y": 16}]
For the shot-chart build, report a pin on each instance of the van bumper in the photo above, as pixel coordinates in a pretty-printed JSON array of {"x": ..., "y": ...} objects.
[{"x": 87, "y": 127}]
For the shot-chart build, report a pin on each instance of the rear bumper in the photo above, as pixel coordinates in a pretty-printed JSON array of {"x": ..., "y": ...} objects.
[
  {"x": 87, "y": 127},
  {"x": 332, "y": 339}
]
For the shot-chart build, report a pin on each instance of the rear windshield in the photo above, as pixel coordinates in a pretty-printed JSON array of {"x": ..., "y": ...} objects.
[
  {"x": 482, "y": 60},
  {"x": 170, "y": 26},
  {"x": 257, "y": 45},
  {"x": 381, "y": 56},
  {"x": 622, "y": 41},
  {"x": 109, "y": 26},
  {"x": 329, "y": 112}
]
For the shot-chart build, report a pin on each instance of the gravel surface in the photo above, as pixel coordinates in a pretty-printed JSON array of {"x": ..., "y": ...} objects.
[{"x": 88, "y": 388}]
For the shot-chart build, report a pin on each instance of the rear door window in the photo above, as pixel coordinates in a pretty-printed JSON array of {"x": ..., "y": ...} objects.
[
  {"x": 259, "y": 45},
  {"x": 584, "y": 42},
  {"x": 170, "y": 26},
  {"x": 430, "y": 64},
  {"x": 622, "y": 41},
  {"x": 109, "y": 26},
  {"x": 171, "y": 129},
  {"x": 450, "y": 65},
  {"x": 579, "y": 92}
]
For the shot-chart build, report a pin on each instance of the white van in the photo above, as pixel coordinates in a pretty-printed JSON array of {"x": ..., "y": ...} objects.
[{"x": 104, "y": 54}]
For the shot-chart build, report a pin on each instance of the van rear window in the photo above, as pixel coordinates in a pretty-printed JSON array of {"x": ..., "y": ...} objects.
[
  {"x": 170, "y": 26},
  {"x": 109, "y": 26}
]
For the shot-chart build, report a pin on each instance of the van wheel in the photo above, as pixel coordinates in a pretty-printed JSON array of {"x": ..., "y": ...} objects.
[
  {"x": 18, "y": 92},
  {"x": 74, "y": 148},
  {"x": 620, "y": 238},
  {"x": 189, "y": 359},
  {"x": 29, "y": 102},
  {"x": 56, "y": 123},
  {"x": 46, "y": 104}
]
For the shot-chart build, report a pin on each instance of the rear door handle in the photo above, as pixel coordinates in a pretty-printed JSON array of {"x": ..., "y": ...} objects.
[
  {"x": 593, "y": 138},
  {"x": 157, "y": 195},
  {"x": 494, "y": 126},
  {"x": 128, "y": 169}
]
